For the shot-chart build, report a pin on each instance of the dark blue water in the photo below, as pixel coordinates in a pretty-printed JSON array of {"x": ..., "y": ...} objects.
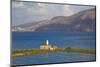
[{"x": 28, "y": 40}]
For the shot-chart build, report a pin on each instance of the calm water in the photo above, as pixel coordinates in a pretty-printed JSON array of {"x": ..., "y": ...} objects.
[{"x": 27, "y": 40}]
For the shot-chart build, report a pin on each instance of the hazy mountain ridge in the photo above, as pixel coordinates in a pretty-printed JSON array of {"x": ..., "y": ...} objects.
[{"x": 82, "y": 21}]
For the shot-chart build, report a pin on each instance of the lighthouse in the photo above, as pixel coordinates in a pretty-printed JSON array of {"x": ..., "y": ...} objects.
[
  {"x": 47, "y": 42},
  {"x": 47, "y": 46}
]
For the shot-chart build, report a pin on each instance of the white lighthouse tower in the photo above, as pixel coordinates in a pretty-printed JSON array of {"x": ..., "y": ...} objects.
[
  {"x": 47, "y": 42},
  {"x": 47, "y": 46}
]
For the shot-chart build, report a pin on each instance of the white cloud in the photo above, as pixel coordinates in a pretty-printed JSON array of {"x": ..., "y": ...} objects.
[
  {"x": 67, "y": 11},
  {"x": 41, "y": 4},
  {"x": 40, "y": 10},
  {"x": 18, "y": 4}
]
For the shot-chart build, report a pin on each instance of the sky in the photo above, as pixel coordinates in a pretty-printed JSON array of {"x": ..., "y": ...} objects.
[{"x": 27, "y": 12}]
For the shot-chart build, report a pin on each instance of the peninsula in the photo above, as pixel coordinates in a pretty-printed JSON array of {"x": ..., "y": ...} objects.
[{"x": 47, "y": 48}]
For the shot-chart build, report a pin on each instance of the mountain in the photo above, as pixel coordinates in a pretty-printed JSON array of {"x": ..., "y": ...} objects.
[{"x": 82, "y": 21}]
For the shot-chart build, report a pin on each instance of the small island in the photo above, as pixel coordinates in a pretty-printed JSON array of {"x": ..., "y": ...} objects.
[{"x": 47, "y": 48}]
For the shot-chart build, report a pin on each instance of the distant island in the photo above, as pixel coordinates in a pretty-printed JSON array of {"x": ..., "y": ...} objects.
[{"x": 47, "y": 48}]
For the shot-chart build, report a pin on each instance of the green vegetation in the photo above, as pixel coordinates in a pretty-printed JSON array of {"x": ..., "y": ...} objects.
[
  {"x": 42, "y": 51},
  {"x": 86, "y": 51}
]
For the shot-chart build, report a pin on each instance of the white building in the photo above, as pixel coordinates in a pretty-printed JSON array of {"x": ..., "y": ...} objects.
[{"x": 46, "y": 46}]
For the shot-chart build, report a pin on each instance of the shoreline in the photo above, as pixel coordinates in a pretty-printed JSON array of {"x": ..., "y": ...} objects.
[{"x": 25, "y": 52}]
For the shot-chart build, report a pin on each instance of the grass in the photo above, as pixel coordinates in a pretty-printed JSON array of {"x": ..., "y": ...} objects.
[
  {"x": 86, "y": 51},
  {"x": 41, "y": 51}
]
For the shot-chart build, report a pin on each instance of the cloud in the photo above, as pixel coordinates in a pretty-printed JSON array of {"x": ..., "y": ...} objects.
[
  {"x": 67, "y": 10},
  {"x": 18, "y": 4},
  {"x": 41, "y": 4},
  {"x": 29, "y": 12},
  {"x": 40, "y": 9}
]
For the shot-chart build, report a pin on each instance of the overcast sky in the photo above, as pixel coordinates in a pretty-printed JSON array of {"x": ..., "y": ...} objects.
[{"x": 27, "y": 12}]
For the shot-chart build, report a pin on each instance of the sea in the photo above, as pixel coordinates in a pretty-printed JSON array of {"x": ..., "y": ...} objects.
[{"x": 33, "y": 40}]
